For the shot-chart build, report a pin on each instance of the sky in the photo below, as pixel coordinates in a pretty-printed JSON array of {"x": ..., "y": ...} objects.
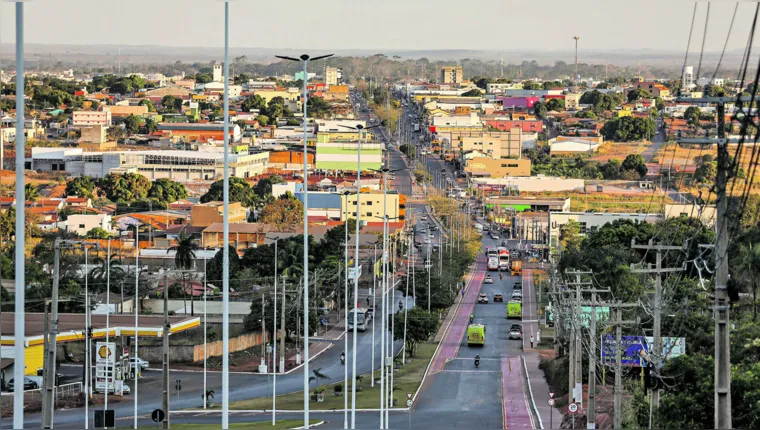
[{"x": 507, "y": 25}]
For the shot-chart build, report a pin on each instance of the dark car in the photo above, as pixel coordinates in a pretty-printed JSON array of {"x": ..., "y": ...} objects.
[
  {"x": 517, "y": 286},
  {"x": 498, "y": 297},
  {"x": 29, "y": 384}
]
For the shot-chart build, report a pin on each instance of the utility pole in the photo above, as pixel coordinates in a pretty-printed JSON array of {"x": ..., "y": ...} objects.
[
  {"x": 165, "y": 364},
  {"x": 722, "y": 403},
  {"x": 576, "y": 355},
  {"x": 618, "y": 404},
  {"x": 48, "y": 399},
  {"x": 658, "y": 271}
]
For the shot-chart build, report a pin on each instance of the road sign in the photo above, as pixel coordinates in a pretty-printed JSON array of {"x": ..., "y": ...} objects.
[
  {"x": 409, "y": 395},
  {"x": 178, "y": 385},
  {"x": 572, "y": 408},
  {"x": 551, "y": 395},
  {"x": 125, "y": 351},
  {"x": 157, "y": 416},
  {"x": 551, "y": 402},
  {"x": 409, "y": 403}
]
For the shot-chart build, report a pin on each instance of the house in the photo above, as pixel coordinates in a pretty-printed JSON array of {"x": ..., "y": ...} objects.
[
  {"x": 496, "y": 168},
  {"x": 82, "y": 224},
  {"x": 566, "y": 145},
  {"x": 654, "y": 88},
  {"x": 205, "y": 214},
  {"x": 82, "y": 118},
  {"x": 242, "y": 235},
  {"x": 124, "y": 111}
]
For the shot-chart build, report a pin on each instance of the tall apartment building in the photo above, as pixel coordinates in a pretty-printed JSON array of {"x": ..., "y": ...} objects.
[
  {"x": 452, "y": 75},
  {"x": 87, "y": 117},
  {"x": 333, "y": 76}
]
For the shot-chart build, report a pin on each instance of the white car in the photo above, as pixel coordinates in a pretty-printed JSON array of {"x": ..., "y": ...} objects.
[
  {"x": 517, "y": 295},
  {"x": 427, "y": 240},
  {"x": 423, "y": 218},
  {"x": 488, "y": 280},
  {"x": 135, "y": 361}
]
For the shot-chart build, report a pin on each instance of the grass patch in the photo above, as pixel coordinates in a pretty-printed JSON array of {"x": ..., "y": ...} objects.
[
  {"x": 407, "y": 379},
  {"x": 279, "y": 425}
]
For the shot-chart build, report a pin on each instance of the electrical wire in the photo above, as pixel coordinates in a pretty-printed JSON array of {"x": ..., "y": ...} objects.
[
  {"x": 728, "y": 36},
  {"x": 704, "y": 38}
]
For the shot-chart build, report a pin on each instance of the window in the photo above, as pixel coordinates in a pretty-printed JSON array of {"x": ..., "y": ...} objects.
[
  {"x": 81, "y": 225},
  {"x": 369, "y": 203},
  {"x": 369, "y": 213},
  {"x": 583, "y": 228}
]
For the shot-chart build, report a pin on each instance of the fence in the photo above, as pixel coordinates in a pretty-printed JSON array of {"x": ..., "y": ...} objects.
[
  {"x": 194, "y": 353},
  {"x": 68, "y": 390},
  {"x": 240, "y": 343}
]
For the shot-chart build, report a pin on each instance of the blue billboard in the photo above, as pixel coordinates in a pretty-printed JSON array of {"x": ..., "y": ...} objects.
[{"x": 633, "y": 345}]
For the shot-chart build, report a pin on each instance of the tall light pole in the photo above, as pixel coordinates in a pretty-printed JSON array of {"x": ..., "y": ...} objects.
[
  {"x": 136, "y": 367},
  {"x": 345, "y": 305},
  {"x": 205, "y": 330},
  {"x": 226, "y": 230},
  {"x": 18, "y": 369},
  {"x": 274, "y": 336},
  {"x": 305, "y": 59},
  {"x": 576, "y": 38}
]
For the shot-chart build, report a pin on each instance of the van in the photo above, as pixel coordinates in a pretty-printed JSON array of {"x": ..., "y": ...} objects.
[{"x": 476, "y": 334}]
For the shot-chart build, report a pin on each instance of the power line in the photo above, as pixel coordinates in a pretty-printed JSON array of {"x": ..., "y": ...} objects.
[
  {"x": 728, "y": 36},
  {"x": 704, "y": 38}
]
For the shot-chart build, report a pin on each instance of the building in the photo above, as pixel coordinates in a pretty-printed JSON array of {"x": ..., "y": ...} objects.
[
  {"x": 200, "y": 132},
  {"x": 451, "y": 75},
  {"x": 566, "y": 145},
  {"x": 706, "y": 214},
  {"x": 654, "y": 88},
  {"x": 333, "y": 76},
  {"x": 218, "y": 76},
  {"x": 496, "y": 168},
  {"x": 343, "y": 155},
  {"x": 527, "y": 204},
  {"x": 205, "y": 214},
  {"x": 242, "y": 235},
  {"x": 372, "y": 208},
  {"x": 519, "y": 102},
  {"x": 687, "y": 78},
  {"x": 81, "y": 118},
  {"x": 93, "y": 134},
  {"x": 539, "y": 183},
  {"x": 32, "y": 129},
  {"x": 322, "y": 204},
  {"x": 471, "y": 120},
  {"x": 218, "y": 88},
  {"x": 492, "y": 144},
  {"x": 572, "y": 100},
  {"x": 529, "y": 126},
  {"x": 81, "y": 224},
  {"x": 181, "y": 166},
  {"x": 123, "y": 111},
  {"x": 589, "y": 221},
  {"x": 299, "y": 75},
  {"x": 498, "y": 88}
]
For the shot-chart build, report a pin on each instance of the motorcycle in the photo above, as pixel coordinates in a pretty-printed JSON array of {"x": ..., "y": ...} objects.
[
  {"x": 343, "y": 358},
  {"x": 477, "y": 361},
  {"x": 472, "y": 317}
]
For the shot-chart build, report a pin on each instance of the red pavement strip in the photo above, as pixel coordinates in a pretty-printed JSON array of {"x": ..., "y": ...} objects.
[
  {"x": 516, "y": 410},
  {"x": 452, "y": 339}
]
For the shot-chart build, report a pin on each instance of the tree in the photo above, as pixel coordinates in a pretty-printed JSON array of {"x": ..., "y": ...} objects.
[
  {"x": 691, "y": 115},
  {"x": 706, "y": 172},
  {"x": 203, "y": 78},
  {"x": 570, "y": 236},
  {"x": 263, "y": 120},
  {"x": 126, "y": 187},
  {"x": 635, "y": 162},
  {"x": 239, "y": 190},
  {"x": 472, "y": 93},
  {"x": 184, "y": 259},
  {"x": 283, "y": 214},
  {"x": 539, "y": 108},
  {"x": 97, "y": 233},
  {"x": 167, "y": 191},
  {"x": 627, "y": 129},
  {"x": 146, "y": 102},
  {"x": 638, "y": 93},
  {"x": 81, "y": 186},
  {"x": 317, "y": 107},
  {"x": 659, "y": 104},
  {"x": 150, "y": 125},
  {"x": 263, "y": 188},
  {"x": 556, "y": 105},
  {"x": 31, "y": 193},
  {"x": 746, "y": 269},
  {"x": 318, "y": 375},
  {"x": 612, "y": 170},
  {"x": 171, "y": 103},
  {"x": 214, "y": 266},
  {"x": 254, "y": 102},
  {"x": 132, "y": 124},
  {"x": 420, "y": 326}
]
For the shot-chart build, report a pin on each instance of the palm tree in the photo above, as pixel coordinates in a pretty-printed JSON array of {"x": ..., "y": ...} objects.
[
  {"x": 100, "y": 273},
  {"x": 184, "y": 260},
  {"x": 747, "y": 266},
  {"x": 317, "y": 376},
  {"x": 31, "y": 193}
]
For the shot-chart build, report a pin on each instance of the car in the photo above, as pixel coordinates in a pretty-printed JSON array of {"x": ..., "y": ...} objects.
[
  {"x": 431, "y": 235},
  {"x": 137, "y": 361},
  {"x": 488, "y": 279},
  {"x": 482, "y": 298},
  {"x": 125, "y": 389},
  {"x": 423, "y": 218},
  {"x": 417, "y": 244},
  {"x": 427, "y": 240},
  {"x": 433, "y": 228},
  {"x": 393, "y": 177},
  {"x": 515, "y": 332},
  {"x": 517, "y": 286},
  {"x": 494, "y": 236},
  {"x": 517, "y": 294},
  {"x": 498, "y": 298},
  {"x": 29, "y": 384}
]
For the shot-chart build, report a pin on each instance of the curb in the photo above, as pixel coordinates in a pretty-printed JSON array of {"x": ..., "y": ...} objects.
[
  {"x": 283, "y": 411},
  {"x": 311, "y": 425},
  {"x": 530, "y": 391}
]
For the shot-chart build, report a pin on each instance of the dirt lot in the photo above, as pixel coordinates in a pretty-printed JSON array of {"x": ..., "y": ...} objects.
[{"x": 610, "y": 150}]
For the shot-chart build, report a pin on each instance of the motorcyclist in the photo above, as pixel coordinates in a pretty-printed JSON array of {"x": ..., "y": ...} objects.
[
  {"x": 472, "y": 317},
  {"x": 501, "y": 275},
  {"x": 477, "y": 360},
  {"x": 343, "y": 357}
]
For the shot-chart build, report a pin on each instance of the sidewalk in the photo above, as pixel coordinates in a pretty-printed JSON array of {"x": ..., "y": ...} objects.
[{"x": 550, "y": 416}]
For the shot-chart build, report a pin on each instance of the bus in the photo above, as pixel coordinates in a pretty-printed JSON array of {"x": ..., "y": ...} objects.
[
  {"x": 493, "y": 263},
  {"x": 503, "y": 258},
  {"x": 491, "y": 252},
  {"x": 476, "y": 334},
  {"x": 363, "y": 318}
]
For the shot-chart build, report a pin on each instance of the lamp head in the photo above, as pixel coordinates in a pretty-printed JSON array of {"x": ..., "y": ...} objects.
[{"x": 304, "y": 57}]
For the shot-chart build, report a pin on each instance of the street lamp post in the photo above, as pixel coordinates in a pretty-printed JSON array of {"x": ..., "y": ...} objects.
[
  {"x": 305, "y": 59},
  {"x": 226, "y": 231}
]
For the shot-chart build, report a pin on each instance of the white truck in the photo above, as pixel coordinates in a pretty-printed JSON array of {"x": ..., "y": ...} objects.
[{"x": 416, "y": 127}]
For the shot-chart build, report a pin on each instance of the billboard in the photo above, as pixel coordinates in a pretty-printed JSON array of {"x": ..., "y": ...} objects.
[
  {"x": 631, "y": 346},
  {"x": 602, "y": 315}
]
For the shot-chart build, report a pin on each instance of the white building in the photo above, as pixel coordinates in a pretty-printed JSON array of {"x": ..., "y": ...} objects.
[
  {"x": 218, "y": 77},
  {"x": 82, "y": 118},
  {"x": 573, "y": 146},
  {"x": 471, "y": 120},
  {"x": 81, "y": 224},
  {"x": 589, "y": 221},
  {"x": 218, "y": 87},
  {"x": 687, "y": 78}
]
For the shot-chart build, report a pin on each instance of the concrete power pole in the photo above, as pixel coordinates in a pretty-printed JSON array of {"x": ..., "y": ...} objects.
[
  {"x": 165, "y": 364},
  {"x": 619, "y": 322},
  {"x": 48, "y": 400},
  {"x": 723, "y": 417},
  {"x": 657, "y": 332}
]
